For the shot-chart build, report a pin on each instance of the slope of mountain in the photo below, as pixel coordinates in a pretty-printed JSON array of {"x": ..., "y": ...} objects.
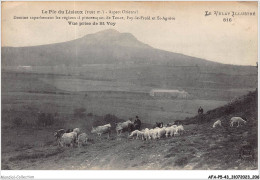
[
  {"x": 121, "y": 57},
  {"x": 105, "y": 47},
  {"x": 200, "y": 148},
  {"x": 245, "y": 106}
]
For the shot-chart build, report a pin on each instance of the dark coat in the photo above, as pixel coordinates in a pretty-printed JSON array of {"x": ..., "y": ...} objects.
[
  {"x": 59, "y": 133},
  {"x": 137, "y": 124},
  {"x": 200, "y": 111}
]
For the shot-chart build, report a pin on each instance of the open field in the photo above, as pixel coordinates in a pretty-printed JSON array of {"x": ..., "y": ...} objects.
[
  {"x": 27, "y": 94},
  {"x": 33, "y": 147}
]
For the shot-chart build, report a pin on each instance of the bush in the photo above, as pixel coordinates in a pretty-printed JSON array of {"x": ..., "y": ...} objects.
[
  {"x": 49, "y": 119},
  {"x": 45, "y": 120},
  {"x": 80, "y": 112},
  {"x": 17, "y": 121},
  {"x": 41, "y": 119}
]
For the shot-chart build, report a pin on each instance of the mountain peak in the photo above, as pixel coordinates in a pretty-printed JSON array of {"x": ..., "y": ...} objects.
[
  {"x": 108, "y": 31},
  {"x": 112, "y": 37},
  {"x": 104, "y": 33}
]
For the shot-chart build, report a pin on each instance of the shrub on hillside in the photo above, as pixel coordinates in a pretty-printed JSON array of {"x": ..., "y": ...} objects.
[
  {"x": 49, "y": 119},
  {"x": 80, "y": 112},
  {"x": 45, "y": 120},
  {"x": 41, "y": 119}
]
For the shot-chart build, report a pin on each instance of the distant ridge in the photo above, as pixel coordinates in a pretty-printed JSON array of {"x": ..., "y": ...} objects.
[{"x": 104, "y": 47}]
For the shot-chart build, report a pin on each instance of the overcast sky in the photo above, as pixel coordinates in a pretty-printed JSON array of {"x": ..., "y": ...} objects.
[{"x": 191, "y": 33}]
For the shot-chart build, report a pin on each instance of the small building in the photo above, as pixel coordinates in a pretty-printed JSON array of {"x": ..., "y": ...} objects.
[
  {"x": 169, "y": 93},
  {"x": 27, "y": 68}
]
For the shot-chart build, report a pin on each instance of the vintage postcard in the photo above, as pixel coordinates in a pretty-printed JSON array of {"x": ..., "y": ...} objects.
[{"x": 130, "y": 86}]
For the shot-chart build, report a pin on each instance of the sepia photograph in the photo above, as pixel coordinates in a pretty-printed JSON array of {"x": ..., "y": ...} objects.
[{"x": 129, "y": 85}]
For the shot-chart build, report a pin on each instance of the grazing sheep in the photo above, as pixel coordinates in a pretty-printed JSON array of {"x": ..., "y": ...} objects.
[
  {"x": 180, "y": 130},
  {"x": 68, "y": 139},
  {"x": 140, "y": 135},
  {"x": 146, "y": 134},
  {"x": 217, "y": 123},
  {"x": 102, "y": 130},
  {"x": 76, "y": 130},
  {"x": 133, "y": 134},
  {"x": 237, "y": 120},
  {"x": 82, "y": 139},
  {"x": 152, "y": 134},
  {"x": 158, "y": 133},
  {"x": 161, "y": 132},
  {"x": 170, "y": 131},
  {"x": 120, "y": 127}
]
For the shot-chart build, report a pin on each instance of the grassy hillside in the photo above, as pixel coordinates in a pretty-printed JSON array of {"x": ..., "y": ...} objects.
[
  {"x": 201, "y": 147},
  {"x": 243, "y": 106}
]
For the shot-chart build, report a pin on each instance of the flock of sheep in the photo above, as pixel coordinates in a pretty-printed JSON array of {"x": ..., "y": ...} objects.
[
  {"x": 157, "y": 133},
  {"x": 73, "y": 137},
  {"x": 233, "y": 120},
  {"x": 146, "y": 134}
]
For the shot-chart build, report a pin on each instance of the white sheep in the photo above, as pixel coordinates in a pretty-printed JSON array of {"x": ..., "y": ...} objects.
[
  {"x": 102, "y": 130},
  {"x": 140, "y": 135},
  {"x": 174, "y": 126},
  {"x": 170, "y": 131},
  {"x": 152, "y": 134},
  {"x": 82, "y": 139},
  {"x": 68, "y": 139},
  {"x": 161, "y": 132},
  {"x": 237, "y": 120},
  {"x": 217, "y": 123},
  {"x": 76, "y": 130},
  {"x": 146, "y": 134},
  {"x": 133, "y": 134},
  {"x": 120, "y": 127},
  {"x": 179, "y": 130}
]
